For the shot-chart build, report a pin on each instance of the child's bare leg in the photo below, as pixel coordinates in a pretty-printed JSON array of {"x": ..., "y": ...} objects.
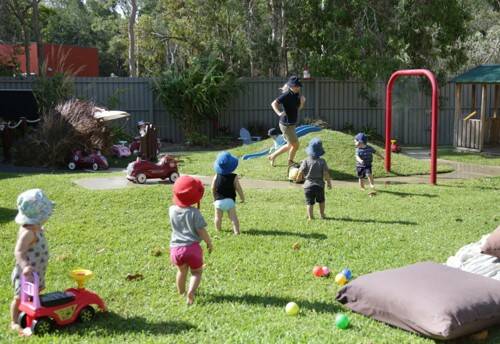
[
  {"x": 361, "y": 183},
  {"x": 280, "y": 151},
  {"x": 194, "y": 283},
  {"x": 370, "y": 179},
  {"x": 322, "y": 210},
  {"x": 180, "y": 279},
  {"x": 218, "y": 219},
  {"x": 234, "y": 220},
  {"x": 310, "y": 214},
  {"x": 14, "y": 313}
]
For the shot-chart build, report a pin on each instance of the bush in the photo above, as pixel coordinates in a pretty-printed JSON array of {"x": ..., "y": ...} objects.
[{"x": 196, "y": 94}]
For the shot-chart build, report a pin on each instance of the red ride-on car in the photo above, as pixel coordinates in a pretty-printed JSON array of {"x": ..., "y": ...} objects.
[
  {"x": 95, "y": 161},
  {"x": 39, "y": 313},
  {"x": 141, "y": 170}
]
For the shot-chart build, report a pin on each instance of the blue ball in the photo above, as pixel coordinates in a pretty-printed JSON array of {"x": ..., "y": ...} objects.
[{"x": 347, "y": 273}]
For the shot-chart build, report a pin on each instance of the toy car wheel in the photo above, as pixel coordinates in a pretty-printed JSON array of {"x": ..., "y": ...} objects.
[
  {"x": 141, "y": 178},
  {"x": 21, "y": 319},
  {"x": 42, "y": 326},
  {"x": 95, "y": 166},
  {"x": 72, "y": 166},
  {"x": 86, "y": 314},
  {"x": 173, "y": 176}
]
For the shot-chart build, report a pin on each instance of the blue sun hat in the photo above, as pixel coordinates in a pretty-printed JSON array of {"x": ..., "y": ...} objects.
[
  {"x": 34, "y": 208},
  {"x": 361, "y": 137},
  {"x": 315, "y": 148},
  {"x": 294, "y": 81},
  {"x": 225, "y": 163}
]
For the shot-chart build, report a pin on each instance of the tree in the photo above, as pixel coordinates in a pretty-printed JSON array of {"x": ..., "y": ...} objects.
[
  {"x": 20, "y": 10},
  {"x": 130, "y": 9}
]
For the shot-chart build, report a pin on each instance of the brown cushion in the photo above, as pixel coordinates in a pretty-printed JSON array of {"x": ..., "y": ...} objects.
[
  {"x": 427, "y": 298},
  {"x": 492, "y": 244}
]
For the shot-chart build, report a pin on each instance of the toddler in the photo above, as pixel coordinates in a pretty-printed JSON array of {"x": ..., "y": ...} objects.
[
  {"x": 225, "y": 185},
  {"x": 188, "y": 229},
  {"x": 31, "y": 251},
  {"x": 315, "y": 172},
  {"x": 364, "y": 159}
]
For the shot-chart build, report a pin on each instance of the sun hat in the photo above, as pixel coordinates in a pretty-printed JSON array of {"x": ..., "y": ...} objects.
[
  {"x": 315, "y": 148},
  {"x": 225, "y": 163},
  {"x": 273, "y": 132},
  {"x": 294, "y": 81},
  {"x": 361, "y": 137},
  {"x": 34, "y": 208},
  {"x": 187, "y": 191}
]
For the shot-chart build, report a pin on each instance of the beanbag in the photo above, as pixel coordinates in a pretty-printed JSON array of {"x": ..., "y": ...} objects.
[
  {"x": 427, "y": 298},
  {"x": 492, "y": 244}
]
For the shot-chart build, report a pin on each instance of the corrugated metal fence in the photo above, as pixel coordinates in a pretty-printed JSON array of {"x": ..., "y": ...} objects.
[{"x": 339, "y": 103}]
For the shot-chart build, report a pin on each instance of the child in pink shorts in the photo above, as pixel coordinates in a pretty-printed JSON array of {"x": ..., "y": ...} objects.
[{"x": 188, "y": 229}]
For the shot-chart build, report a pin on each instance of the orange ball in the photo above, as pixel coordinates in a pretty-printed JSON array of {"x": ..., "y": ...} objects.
[{"x": 318, "y": 271}]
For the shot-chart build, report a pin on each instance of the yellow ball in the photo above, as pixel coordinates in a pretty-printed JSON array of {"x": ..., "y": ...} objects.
[
  {"x": 340, "y": 279},
  {"x": 292, "y": 308}
]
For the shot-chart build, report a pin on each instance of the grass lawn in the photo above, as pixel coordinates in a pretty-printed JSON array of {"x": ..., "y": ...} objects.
[
  {"x": 248, "y": 279},
  {"x": 339, "y": 155},
  {"x": 469, "y": 158}
]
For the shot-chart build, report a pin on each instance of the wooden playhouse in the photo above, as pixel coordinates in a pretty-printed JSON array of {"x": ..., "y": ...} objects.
[{"x": 479, "y": 128}]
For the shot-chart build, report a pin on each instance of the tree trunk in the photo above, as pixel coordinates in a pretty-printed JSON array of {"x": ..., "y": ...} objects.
[
  {"x": 36, "y": 30},
  {"x": 131, "y": 38},
  {"x": 27, "y": 53},
  {"x": 283, "y": 50},
  {"x": 250, "y": 34}
]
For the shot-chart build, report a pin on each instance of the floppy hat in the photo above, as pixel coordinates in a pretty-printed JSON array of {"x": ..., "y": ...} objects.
[
  {"x": 34, "y": 207},
  {"x": 273, "y": 132},
  {"x": 315, "y": 148},
  {"x": 187, "y": 191},
  {"x": 294, "y": 81},
  {"x": 225, "y": 163},
  {"x": 361, "y": 137}
]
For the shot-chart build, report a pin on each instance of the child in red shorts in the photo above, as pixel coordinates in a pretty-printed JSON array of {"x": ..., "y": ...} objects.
[{"x": 188, "y": 229}]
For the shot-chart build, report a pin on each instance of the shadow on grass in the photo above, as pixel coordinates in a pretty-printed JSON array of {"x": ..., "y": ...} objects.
[
  {"x": 392, "y": 222},
  {"x": 7, "y": 215},
  {"x": 109, "y": 324},
  {"x": 271, "y": 301},
  {"x": 406, "y": 194},
  {"x": 257, "y": 232}
]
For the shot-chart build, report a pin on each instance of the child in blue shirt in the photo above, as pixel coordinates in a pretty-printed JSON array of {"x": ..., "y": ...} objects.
[{"x": 364, "y": 159}]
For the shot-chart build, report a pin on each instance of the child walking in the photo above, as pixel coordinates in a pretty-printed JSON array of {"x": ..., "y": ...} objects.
[
  {"x": 225, "y": 186},
  {"x": 31, "y": 251},
  {"x": 364, "y": 159},
  {"x": 314, "y": 169},
  {"x": 188, "y": 229}
]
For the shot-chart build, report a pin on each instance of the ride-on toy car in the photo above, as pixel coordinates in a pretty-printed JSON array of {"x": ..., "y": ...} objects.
[
  {"x": 141, "y": 170},
  {"x": 39, "y": 313},
  {"x": 95, "y": 160},
  {"x": 120, "y": 150}
]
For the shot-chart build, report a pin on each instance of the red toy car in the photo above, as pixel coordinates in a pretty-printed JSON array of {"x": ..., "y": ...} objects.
[
  {"x": 39, "y": 313},
  {"x": 141, "y": 170},
  {"x": 95, "y": 161},
  {"x": 120, "y": 150}
]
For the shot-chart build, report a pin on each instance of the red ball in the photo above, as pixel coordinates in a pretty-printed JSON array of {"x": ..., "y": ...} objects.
[{"x": 318, "y": 271}]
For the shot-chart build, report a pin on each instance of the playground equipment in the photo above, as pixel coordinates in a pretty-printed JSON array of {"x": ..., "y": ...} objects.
[
  {"x": 280, "y": 141},
  {"x": 434, "y": 120},
  {"x": 39, "y": 313}
]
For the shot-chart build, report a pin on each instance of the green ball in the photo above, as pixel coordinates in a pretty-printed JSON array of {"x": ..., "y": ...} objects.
[{"x": 341, "y": 321}]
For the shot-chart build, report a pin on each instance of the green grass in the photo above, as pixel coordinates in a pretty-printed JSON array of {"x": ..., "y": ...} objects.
[
  {"x": 469, "y": 158},
  {"x": 250, "y": 278},
  {"x": 339, "y": 155}
]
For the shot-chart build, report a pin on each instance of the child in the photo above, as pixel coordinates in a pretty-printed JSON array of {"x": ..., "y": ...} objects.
[
  {"x": 188, "y": 229},
  {"x": 364, "y": 158},
  {"x": 32, "y": 251},
  {"x": 225, "y": 185},
  {"x": 273, "y": 133},
  {"x": 315, "y": 171}
]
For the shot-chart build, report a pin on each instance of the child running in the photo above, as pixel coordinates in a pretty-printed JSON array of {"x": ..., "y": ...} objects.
[
  {"x": 188, "y": 229},
  {"x": 364, "y": 159},
  {"x": 315, "y": 172},
  {"x": 32, "y": 251},
  {"x": 225, "y": 185}
]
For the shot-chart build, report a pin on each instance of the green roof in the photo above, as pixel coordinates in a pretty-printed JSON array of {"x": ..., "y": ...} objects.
[{"x": 484, "y": 74}]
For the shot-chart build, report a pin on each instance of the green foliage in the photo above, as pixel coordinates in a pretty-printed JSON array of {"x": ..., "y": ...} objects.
[
  {"x": 196, "y": 94},
  {"x": 53, "y": 90}
]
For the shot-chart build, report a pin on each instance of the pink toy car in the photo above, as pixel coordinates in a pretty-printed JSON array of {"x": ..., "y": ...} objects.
[
  {"x": 120, "y": 150},
  {"x": 141, "y": 170},
  {"x": 95, "y": 161}
]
